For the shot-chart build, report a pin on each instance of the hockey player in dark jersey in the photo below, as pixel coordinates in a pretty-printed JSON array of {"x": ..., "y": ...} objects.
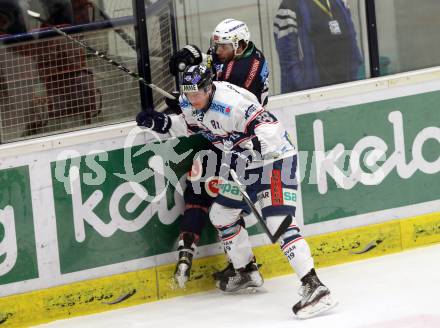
[
  {"x": 239, "y": 62},
  {"x": 235, "y": 59},
  {"x": 232, "y": 58}
]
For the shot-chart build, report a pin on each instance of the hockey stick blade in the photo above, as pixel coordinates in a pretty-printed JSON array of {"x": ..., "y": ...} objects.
[{"x": 284, "y": 224}]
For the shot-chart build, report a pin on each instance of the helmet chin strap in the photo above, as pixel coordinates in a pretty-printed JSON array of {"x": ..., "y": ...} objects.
[{"x": 236, "y": 55}]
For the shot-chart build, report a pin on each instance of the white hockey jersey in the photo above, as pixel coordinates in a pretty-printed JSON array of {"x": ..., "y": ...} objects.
[{"x": 234, "y": 118}]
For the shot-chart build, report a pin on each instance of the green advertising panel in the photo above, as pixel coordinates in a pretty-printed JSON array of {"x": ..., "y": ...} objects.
[
  {"x": 18, "y": 258},
  {"x": 370, "y": 157},
  {"x": 120, "y": 205}
]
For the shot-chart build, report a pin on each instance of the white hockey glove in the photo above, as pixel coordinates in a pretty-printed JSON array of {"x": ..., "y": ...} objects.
[{"x": 235, "y": 158}]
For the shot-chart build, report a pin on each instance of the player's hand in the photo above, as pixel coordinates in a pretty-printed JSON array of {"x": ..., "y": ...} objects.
[
  {"x": 213, "y": 56},
  {"x": 233, "y": 161},
  {"x": 236, "y": 159},
  {"x": 158, "y": 122},
  {"x": 173, "y": 104},
  {"x": 240, "y": 159},
  {"x": 187, "y": 56}
]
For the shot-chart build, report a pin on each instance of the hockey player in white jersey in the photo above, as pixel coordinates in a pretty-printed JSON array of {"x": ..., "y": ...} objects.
[
  {"x": 233, "y": 58},
  {"x": 258, "y": 148}
]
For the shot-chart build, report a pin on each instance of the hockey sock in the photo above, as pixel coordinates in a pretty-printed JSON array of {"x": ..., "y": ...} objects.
[
  {"x": 236, "y": 242},
  {"x": 297, "y": 251},
  {"x": 294, "y": 246}
]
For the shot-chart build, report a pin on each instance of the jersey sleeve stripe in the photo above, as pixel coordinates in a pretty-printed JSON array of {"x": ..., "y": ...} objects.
[{"x": 258, "y": 112}]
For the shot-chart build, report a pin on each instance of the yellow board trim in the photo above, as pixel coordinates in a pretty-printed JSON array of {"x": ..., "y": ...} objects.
[
  {"x": 150, "y": 285},
  {"x": 421, "y": 230},
  {"x": 85, "y": 297}
]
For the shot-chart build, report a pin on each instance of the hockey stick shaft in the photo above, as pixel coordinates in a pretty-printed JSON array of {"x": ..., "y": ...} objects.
[
  {"x": 124, "y": 35},
  {"x": 284, "y": 224},
  {"x": 101, "y": 55}
]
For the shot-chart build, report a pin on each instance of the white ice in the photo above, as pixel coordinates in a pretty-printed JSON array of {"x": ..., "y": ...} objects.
[{"x": 395, "y": 291}]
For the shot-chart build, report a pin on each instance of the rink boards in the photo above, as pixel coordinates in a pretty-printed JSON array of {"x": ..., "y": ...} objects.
[
  {"x": 154, "y": 284},
  {"x": 89, "y": 220}
]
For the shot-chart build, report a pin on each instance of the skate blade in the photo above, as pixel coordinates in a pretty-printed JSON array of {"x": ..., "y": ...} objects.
[
  {"x": 181, "y": 276},
  {"x": 325, "y": 304},
  {"x": 180, "y": 281},
  {"x": 244, "y": 290}
]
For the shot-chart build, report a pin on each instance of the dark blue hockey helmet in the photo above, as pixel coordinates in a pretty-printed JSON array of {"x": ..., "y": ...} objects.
[{"x": 195, "y": 78}]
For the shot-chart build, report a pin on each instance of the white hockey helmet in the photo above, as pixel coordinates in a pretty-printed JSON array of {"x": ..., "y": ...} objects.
[{"x": 231, "y": 31}]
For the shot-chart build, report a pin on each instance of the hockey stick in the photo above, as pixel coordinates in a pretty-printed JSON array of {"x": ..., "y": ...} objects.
[
  {"x": 124, "y": 35},
  {"x": 100, "y": 54},
  {"x": 283, "y": 226}
]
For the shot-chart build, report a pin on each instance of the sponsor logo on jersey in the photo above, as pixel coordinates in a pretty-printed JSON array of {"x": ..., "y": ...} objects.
[
  {"x": 198, "y": 115},
  {"x": 276, "y": 188},
  {"x": 230, "y": 190},
  {"x": 211, "y": 186},
  {"x": 229, "y": 70},
  {"x": 252, "y": 73},
  {"x": 184, "y": 103},
  {"x": 266, "y": 117},
  {"x": 288, "y": 196},
  {"x": 220, "y": 108},
  {"x": 249, "y": 111}
]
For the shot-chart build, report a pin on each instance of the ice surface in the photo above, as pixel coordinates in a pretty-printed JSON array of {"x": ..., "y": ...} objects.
[{"x": 394, "y": 291}]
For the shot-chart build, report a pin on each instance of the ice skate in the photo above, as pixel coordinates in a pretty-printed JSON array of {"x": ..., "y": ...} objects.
[
  {"x": 227, "y": 272},
  {"x": 247, "y": 277},
  {"x": 316, "y": 298},
  {"x": 184, "y": 263}
]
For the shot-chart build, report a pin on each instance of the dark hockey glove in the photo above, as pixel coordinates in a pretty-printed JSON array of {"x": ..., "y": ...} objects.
[
  {"x": 213, "y": 55},
  {"x": 187, "y": 56},
  {"x": 173, "y": 104},
  {"x": 158, "y": 122}
]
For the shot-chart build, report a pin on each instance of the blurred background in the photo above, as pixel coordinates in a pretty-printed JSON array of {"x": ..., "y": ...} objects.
[{"x": 49, "y": 85}]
